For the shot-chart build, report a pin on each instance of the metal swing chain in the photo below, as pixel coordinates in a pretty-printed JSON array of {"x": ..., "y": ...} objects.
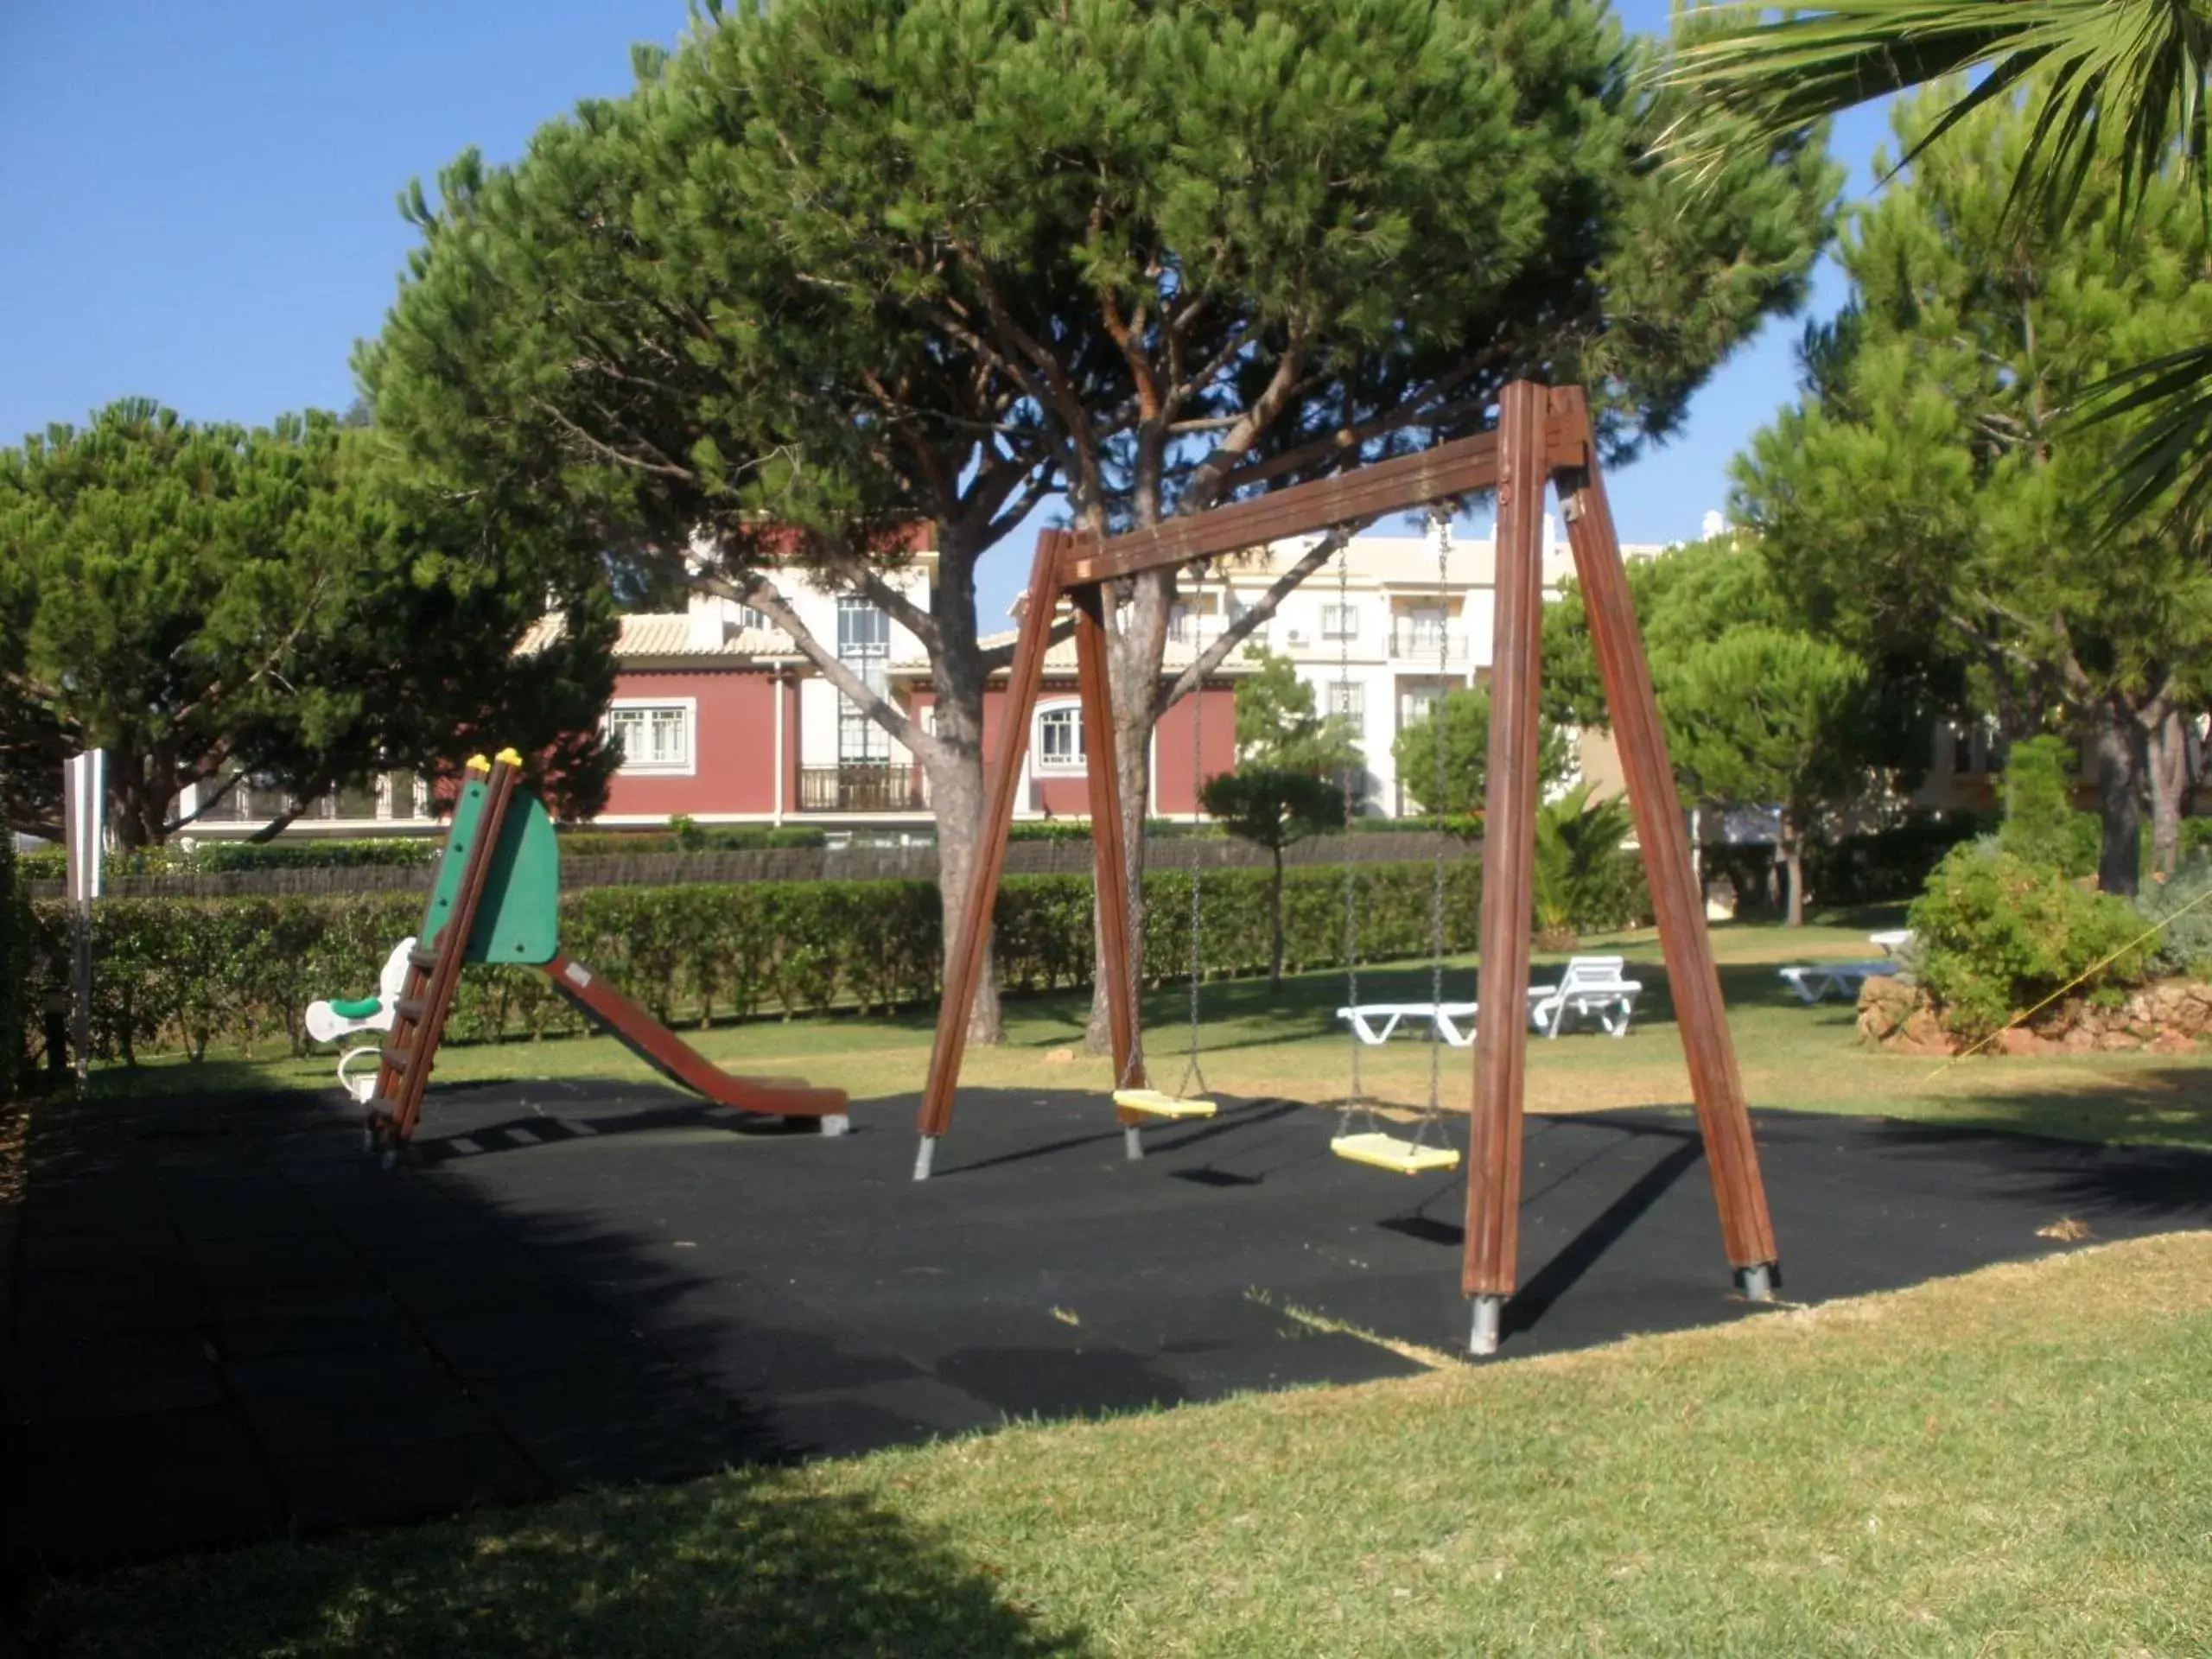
[
  {"x": 1440, "y": 520},
  {"x": 1357, "y": 1105},
  {"x": 1135, "y": 1064},
  {"x": 1192, "y": 1070}
]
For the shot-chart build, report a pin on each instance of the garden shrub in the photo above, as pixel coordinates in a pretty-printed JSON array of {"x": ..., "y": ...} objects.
[
  {"x": 2196, "y": 839},
  {"x": 194, "y": 976},
  {"x": 2183, "y": 903},
  {"x": 1586, "y": 880},
  {"x": 2041, "y": 826},
  {"x": 1996, "y": 934}
]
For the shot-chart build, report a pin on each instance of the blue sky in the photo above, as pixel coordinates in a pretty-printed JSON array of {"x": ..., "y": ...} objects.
[{"x": 202, "y": 203}]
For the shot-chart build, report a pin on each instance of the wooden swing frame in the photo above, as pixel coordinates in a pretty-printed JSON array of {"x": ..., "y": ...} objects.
[{"x": 1541, "y": 435}]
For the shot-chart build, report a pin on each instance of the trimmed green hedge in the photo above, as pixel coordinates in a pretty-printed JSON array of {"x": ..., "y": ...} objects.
[
  {"x": 408, "y": 852},
  {"x": 686, "y": 838},
  {"x": 218, "y": 857},
  {"x": 1079, "y": 829},
  {"x": 200, "y": 975}
]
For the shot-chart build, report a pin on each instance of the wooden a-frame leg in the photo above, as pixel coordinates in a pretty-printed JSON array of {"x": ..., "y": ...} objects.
[
  {"x": 1492, "y": 1261},
  {"x": 1111, "y": 884},
  {"x": 1723, "y": 1118},
  {"x": 963, "y": 958}
]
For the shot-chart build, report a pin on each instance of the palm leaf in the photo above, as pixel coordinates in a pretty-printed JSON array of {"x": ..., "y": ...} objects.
[
  {"x": 2123, "y": 77},
  {"x": 2173, "y": 449}
]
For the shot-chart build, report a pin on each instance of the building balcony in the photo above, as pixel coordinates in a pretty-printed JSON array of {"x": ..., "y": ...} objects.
[
  {"x": 861, "y": 787},
  {"x": 1425, "y": 646}
]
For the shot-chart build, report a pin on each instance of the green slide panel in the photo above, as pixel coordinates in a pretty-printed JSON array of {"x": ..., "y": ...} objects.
[{"x": 518, "y": 919}]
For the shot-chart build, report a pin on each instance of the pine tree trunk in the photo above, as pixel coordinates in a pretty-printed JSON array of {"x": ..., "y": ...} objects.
[
  {"x": 2166, "y": 742},
  {"x": 1793, "y": 860},
  {"x": 136, "y": 806},
  {"x": 957, "y": 798},
  {"x": 2120, "y": 744},
  {"x": 955, "y": 776},
  {"x": 1133, "y": 653}
]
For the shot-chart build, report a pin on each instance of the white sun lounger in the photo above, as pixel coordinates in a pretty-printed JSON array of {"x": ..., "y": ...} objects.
[
  {"x": 1591, "y": 987},
  {"x": 1892, "y": 942},
  {"x": 1814, "y": 981},
  {"x": 1373, "y": 1022}
]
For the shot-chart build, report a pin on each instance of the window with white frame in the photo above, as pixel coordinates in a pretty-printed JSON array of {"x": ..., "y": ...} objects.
[
  {"x": 1418, "y": 704},
  {"x": 864, "y": 643},
  {"x": 861, "y": 739},
  {"x": 1340, "y": 621},
  {"x": 749, "y": 618},
  {"x": 653, "y": 737},
  {"x": 1348, "y": 702},
  {"x": 1059, "y": 739},
  {"x": 863, "y": 631}
]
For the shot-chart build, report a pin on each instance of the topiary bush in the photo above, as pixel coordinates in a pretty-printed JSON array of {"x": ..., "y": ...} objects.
[{"x": 1996, "y": 934}]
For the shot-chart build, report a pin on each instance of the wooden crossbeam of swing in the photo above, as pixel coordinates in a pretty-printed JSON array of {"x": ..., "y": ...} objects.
[{"x": 1462, "y": 466}]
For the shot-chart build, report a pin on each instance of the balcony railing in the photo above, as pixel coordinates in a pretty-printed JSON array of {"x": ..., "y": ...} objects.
[
  {"x": 860, "y": 787},
  {"x": 1422, "y": 644}
]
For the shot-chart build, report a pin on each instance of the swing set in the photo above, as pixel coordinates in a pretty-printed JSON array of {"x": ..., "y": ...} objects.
[{"x": 1542, "y": 435}]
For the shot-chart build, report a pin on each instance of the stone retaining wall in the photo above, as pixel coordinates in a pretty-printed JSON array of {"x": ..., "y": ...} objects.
[{"x": 2167, "y": 1018}]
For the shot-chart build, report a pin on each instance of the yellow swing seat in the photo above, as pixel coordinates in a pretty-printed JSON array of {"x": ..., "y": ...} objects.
[
  {"x": 1153, "y": 1103},
  {"x": 1394, "y": 1153}
]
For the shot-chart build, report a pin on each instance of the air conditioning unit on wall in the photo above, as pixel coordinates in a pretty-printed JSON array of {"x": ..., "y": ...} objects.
[{"x": 1294, "y": 636}]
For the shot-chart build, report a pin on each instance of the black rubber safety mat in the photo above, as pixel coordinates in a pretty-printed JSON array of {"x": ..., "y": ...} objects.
[{"x": 225, "y": 1320}]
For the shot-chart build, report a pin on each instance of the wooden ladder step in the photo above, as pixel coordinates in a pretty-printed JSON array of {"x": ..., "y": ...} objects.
[
  {"x": 427, "y": 961},
  {"x": 399, "y": 1059},
  {"x": 411, "y": 1009}
]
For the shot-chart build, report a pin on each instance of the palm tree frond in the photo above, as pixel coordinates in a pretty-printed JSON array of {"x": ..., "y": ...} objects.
[
  {"x": 2125, "y": 77},
  {"x": 2173, "y": 449}
]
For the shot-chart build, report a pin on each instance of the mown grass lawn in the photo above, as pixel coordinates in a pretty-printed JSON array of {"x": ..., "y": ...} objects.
[
  {"x": 2016, "y": 1462},
  {"x": 1289, "y": 1045}
]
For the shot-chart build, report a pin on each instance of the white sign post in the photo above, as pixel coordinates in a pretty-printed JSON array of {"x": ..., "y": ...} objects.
[{"x": 84, "y": 831}]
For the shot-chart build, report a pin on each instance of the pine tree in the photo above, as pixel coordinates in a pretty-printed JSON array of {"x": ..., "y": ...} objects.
[
  {"x": 1465, "y": 715},
  {"x": 842, "y": 265},
  {"x": 205, "y": 601},
  {"x": 1761, "y": 717},
  {"x": 1928, "y": 503}
]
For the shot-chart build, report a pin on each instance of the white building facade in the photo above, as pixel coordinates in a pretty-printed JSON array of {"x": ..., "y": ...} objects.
[{"x": 1382, "y": 632}]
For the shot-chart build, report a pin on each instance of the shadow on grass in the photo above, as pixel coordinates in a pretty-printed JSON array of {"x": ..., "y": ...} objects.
[
  {"x": 2169, "y": 1107},
  {"x": 749, "y": 1563},
  {"x": 172, "y": 1077}
]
